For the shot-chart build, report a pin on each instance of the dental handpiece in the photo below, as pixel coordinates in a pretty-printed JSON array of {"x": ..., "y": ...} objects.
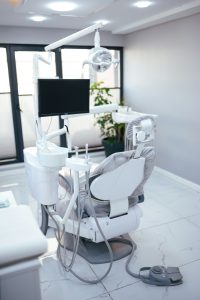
[
  {"x": 86, "y": 152},
  {"x": 76, "y": 150}
]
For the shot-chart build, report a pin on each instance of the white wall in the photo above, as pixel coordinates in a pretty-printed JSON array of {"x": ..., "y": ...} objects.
[
  {"x": 24, "y": 35},
  {"x": 162, "y": 76}
]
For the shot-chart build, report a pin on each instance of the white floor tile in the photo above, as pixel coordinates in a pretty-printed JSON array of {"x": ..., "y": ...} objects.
[
  {"x": 194, "y": 219},
  {"x": 175, "y": 243},
  {"x": 185, "y": 203},
  {"x": 52, "y": 270},
  {"x": 162, "y": 245},
  {"x": 70, "y": 289},
  {"x": 168, "y": 234},
  {"x": 188, "y": 290},
  {"x": 155, "y": 214},
  {"x": 118, "y": 277},
  {"x": 179, "y": 198},
  {"x": 101, "y": 297},
  {"x": 58, "y": 284}
]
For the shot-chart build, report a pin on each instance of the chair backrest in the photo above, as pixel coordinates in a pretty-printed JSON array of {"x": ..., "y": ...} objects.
[{"x": 118, "y": 184}]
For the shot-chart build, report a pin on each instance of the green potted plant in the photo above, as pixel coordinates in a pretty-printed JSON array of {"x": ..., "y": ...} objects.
[{"x": 112, "y": 133}]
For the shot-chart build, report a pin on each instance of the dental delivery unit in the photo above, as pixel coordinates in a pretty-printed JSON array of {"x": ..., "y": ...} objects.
[{"x": 102, "y": 203}]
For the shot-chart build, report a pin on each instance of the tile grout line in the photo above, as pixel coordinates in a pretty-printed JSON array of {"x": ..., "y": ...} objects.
[
  {"x": 187, "y": 218},
  {"x": 185, "y": 182},
  {"x": 119, "y": 288},
  {"x": 165, "y": 223},
  {"x": 100, "y": 280},
  {"x": 189, "y": 263},
  {"x": 169, "y": 208}
]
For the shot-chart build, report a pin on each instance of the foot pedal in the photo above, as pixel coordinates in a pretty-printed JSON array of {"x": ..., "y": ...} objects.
[{"x": 160, "y": 275}]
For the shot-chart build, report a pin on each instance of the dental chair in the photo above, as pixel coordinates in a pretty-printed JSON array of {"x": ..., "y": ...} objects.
[{"x": 101, "y": 199}]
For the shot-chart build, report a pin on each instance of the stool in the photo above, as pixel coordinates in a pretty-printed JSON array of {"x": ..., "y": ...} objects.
[{"x": 21, "y": 243}]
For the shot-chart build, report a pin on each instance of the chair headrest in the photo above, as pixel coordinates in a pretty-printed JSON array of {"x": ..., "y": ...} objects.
[{"x": 145, "y": 122}]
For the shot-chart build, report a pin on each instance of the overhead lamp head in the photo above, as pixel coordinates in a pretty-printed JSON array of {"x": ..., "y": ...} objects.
[{"x": 100, "y": 58}]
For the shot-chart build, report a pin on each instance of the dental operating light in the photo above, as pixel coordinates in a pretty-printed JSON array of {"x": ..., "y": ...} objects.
[{"x": 99, "y": 58}]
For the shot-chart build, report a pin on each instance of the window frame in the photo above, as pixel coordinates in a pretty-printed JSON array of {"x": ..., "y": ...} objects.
[{"x": 12, "y": 72}]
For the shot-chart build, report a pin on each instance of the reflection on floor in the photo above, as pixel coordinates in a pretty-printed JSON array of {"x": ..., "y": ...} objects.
[{"x": 169, "y": 234}]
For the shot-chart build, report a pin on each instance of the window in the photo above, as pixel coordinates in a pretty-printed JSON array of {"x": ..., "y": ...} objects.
[
  {"x": 82, "y": 129},
  {"x": 7, "y": 137},
  {"x": 16, "y": 96},
  {"x": 24, "y": 67}
]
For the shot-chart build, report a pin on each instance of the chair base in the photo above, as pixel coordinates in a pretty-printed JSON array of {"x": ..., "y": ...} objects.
[{"x": 97, "y": 253}]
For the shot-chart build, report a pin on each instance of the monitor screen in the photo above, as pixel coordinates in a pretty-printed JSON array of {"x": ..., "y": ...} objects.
[{"x": 63, "y": 96}]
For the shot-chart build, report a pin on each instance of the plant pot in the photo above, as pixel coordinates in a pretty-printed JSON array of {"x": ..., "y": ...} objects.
[{"x": 111, "y": 146}]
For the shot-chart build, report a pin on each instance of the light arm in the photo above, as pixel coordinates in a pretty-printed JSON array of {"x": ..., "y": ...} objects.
[{"x": 73, "y": 37}]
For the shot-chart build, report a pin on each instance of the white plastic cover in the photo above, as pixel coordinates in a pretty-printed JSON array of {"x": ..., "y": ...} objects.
[{"x": 42, "y": 181}]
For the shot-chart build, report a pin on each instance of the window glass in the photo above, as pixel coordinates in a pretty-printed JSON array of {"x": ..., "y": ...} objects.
[
  {"x": 24, "y": 66},
  {"x": 72, "y": 63},
  {"x": 83, "y": 129},
  {"x": 7, "y": 137},
  {"x": 4, "y": 79}
]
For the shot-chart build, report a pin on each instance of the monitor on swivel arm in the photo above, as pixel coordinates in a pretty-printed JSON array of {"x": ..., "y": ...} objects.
[{"x": 63, "y": 96}]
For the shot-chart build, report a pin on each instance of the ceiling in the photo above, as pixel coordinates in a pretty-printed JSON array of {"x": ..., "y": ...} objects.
[{"x": 123, "y": 17}]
